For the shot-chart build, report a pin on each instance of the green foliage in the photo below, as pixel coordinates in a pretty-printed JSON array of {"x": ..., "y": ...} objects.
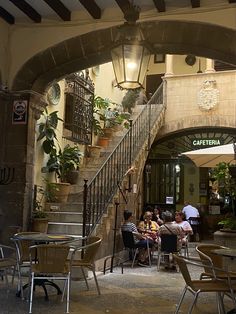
[
  {"x": 128, "y": 101},
  {"x": 47, "y": 130},
  {"x": 39, "y": 214},
  {"x": 64, "y": 161},
  {"x": 225, "y": 182},
  {"x": 228, "y": 223}
]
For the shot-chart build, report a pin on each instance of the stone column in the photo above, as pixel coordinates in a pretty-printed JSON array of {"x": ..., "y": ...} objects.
[
  {"x": 169, "y": 65},
  {"x": 209, "y": 66}
]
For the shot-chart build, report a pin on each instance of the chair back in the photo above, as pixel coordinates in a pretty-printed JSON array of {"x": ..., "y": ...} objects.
[
  {"x": 128, "y": 239},
  {"x": 206, "y": 255},
  {"x": 169, "y": 243},
  {"x": 22, "y": 246},
  {"x": 90, "y": 250},
  {"x": 51, "y": 258},
  {"x": 183, "y": 267}
]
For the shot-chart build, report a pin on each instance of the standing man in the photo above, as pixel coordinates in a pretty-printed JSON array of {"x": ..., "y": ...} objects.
[{"x": 192, "y": 212}]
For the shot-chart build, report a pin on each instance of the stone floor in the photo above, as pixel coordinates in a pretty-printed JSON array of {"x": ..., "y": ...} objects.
[{"x": 139, "y": 290}]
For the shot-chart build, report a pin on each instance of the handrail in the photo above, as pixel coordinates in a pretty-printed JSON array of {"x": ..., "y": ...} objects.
[{"x": 100, "y": 191}]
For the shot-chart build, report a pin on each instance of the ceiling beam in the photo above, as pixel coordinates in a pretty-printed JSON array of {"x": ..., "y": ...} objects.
[
  {"x": 6, "y": 16},
  {"x": 160, "y": 5},
  {"x": 93, "y": 9},
  {"x": 60, "y": 9},
  {"x": 232, "y": 1},
  {"x": 123, "y": 4},
  {"x": 28, "y": 10},
  {"x": 195, "y": 3}
]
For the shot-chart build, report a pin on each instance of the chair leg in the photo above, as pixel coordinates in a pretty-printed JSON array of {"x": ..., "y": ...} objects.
[
  {"x": 158, "y": 261},
  {"x": 31, "y": 293},
  {"x": 96, "y": 281},
  {"x": 181, "y": 300},
  {"x": 135, "y": 254},
  {"x": 193, "y": 303},
  {"x": 85, "y": 279},
  {"x": 68, "y": 294}
]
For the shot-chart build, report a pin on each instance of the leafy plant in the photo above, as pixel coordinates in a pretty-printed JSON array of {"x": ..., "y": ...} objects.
[
  {"x": 64, "y": 161},
  {"x": 47, "y": 130},
  {"x": 228, "y": 223},
  {"x": 129, "y": 100},
  {"x": 39, "y": 214}
]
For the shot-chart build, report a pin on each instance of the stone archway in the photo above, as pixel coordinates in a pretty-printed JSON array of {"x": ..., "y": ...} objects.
[{"x": 173, "y": 37}]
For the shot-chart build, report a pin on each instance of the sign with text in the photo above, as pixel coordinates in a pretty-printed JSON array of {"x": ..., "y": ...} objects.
[
  {"x": 206, "y": 142},
  {"x": 169, "y": 200},
  {"x": 19, "y": 112}
]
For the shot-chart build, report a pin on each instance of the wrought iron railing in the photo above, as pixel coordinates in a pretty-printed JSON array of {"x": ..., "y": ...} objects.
[{"x": 100, "y": 191}]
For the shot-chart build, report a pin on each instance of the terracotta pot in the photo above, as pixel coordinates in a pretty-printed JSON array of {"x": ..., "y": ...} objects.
[
  {"x": 103, "y": 141},
  {"x": 108, "y": 132},
  {"x": 59, "y": 192},
  {"x": 40, "y": 225},
  {"x": 94, "y": 151},
  {"x": 72, "y": 177}
]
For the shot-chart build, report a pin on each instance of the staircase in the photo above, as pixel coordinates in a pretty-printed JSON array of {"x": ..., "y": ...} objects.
[{"x": 105, "y": 173}]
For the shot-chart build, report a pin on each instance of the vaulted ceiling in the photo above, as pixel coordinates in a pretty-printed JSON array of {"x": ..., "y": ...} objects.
[{"x": 41, "y": 11}]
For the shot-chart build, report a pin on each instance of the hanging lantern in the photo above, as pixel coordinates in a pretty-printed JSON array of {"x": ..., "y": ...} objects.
[{"x": 130, "y": 53}]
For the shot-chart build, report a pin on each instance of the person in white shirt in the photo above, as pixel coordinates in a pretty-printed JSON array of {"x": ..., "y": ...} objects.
[{"x": 190, "y": 211}]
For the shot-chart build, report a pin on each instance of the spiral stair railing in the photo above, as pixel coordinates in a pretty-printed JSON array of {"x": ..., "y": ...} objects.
[{"x": 99, "y": 193}]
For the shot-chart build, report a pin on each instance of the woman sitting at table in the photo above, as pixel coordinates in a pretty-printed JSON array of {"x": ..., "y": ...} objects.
[
  {"x": 148, "y": 227},
  {"x": 184, "y": 224}
]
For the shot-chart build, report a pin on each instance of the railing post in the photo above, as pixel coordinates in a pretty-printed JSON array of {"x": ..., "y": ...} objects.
[
  {"x": 114, "y": 237},
  {"x": 130, "y": 151},
  {"x": 85, "y": 196}
]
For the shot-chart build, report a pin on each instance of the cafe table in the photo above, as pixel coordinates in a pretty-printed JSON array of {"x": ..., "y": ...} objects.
[
  {"x": 42, "y": 238},
  {"x": 229, "y": 253}
]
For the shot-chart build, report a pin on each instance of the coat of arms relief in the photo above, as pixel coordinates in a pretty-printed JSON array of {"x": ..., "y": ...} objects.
[{"x": 208, "y": 96}]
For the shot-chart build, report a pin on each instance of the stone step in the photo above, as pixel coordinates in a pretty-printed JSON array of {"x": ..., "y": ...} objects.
[
  {"x": 73, "y": 217},
  {"x": 65, "y": 228},
  {"x": 64, "y": 207}
]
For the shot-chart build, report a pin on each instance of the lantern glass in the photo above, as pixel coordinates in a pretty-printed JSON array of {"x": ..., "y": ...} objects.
[{"x": 130, "y": 62}]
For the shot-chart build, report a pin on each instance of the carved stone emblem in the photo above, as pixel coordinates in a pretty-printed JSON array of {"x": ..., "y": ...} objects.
[{"x": 208, "y": 96}]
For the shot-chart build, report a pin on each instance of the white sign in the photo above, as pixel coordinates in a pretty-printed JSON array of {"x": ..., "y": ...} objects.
[{"x": 169, "y": 200}]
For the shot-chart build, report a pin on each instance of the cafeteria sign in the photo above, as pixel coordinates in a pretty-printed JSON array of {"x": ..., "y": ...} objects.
[
  {"x": 206, "y": 142},
  {"x": 19, "y": 113}
]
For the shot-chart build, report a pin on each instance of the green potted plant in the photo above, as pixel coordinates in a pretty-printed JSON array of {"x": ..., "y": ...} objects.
[
  {"x": 39, "y": 216},
  {"x": 228, "y": 224},
  {"x": 129, "y": 100}
]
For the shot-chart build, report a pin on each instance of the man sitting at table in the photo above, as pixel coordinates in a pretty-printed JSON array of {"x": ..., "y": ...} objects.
[{"x": 140, "y": 240}]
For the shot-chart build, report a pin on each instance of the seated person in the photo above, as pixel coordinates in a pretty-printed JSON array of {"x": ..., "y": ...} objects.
[
  {"x": 148, "y": 227},
  {"x": 185, "y": 225},
  {"x": 170, "y": 227},
  {"x": 156, "y": 216},
  {"x": 140, "y": 239}
]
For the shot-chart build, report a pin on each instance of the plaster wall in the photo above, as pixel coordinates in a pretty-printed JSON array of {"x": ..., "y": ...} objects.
[
  {"x": 182, "y": 102},
  {"x": 27, "y": 40}
]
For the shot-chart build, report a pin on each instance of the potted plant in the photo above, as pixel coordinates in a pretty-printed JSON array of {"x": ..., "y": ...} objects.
[
  {"x": 65, "y": 163},
  {"x": 39, "y": 217},
  {"x": 129, "y": 100},
  {"x": 228, "y": 224}
]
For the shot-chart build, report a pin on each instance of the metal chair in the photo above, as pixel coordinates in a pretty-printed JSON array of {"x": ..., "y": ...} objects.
[
  {"x": 196, "y": 287},
  {"x": 88, "y": 260},
  {"x": 206, "y": 255},
  {"x": 129, "y": 243},
  {"x": 7, "y": 262},
  {"x": 23, "y": 258},
  {"x": 167, "y": 247},
  {"x": 51, "y": 264}
]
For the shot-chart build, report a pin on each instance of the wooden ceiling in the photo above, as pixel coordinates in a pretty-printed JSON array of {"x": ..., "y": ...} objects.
[{"x": 38, "y": 11}]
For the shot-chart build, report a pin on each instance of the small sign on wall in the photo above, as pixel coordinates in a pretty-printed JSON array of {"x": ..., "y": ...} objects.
[{"x": 19, "y": 112}]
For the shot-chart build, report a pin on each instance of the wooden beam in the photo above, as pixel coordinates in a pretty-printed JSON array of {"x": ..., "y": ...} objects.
[
  {"x": 123, "y": 4},
  {"x": 6, "y": 16},
  {"x": 27, "y": 9},
  {"x": 160, "y": 5},
  {"x": 232, "y": 1},
  {"x": 60, "y": 9},
  {"x": 195, "y": 3},
  {"x": 93, "y": 9}
]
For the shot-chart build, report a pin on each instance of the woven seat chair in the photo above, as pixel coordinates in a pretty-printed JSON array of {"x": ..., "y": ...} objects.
[
  {"x": 23, "y": 259},
  {"x": 51, "y": 264},
  {"x": 215, "y": 285},
  {"x": 167, "y": 247},
  {"x": 207, "y": 256},
  {"x": 7, "y": 262},
  {"x": 88, "y": 259}
]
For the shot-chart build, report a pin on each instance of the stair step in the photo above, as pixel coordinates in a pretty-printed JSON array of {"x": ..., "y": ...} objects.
[
  {"x": 64, "y": 207},
  {"x": 65, "y": 228},
  {"x": 66, "y": 217}
]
